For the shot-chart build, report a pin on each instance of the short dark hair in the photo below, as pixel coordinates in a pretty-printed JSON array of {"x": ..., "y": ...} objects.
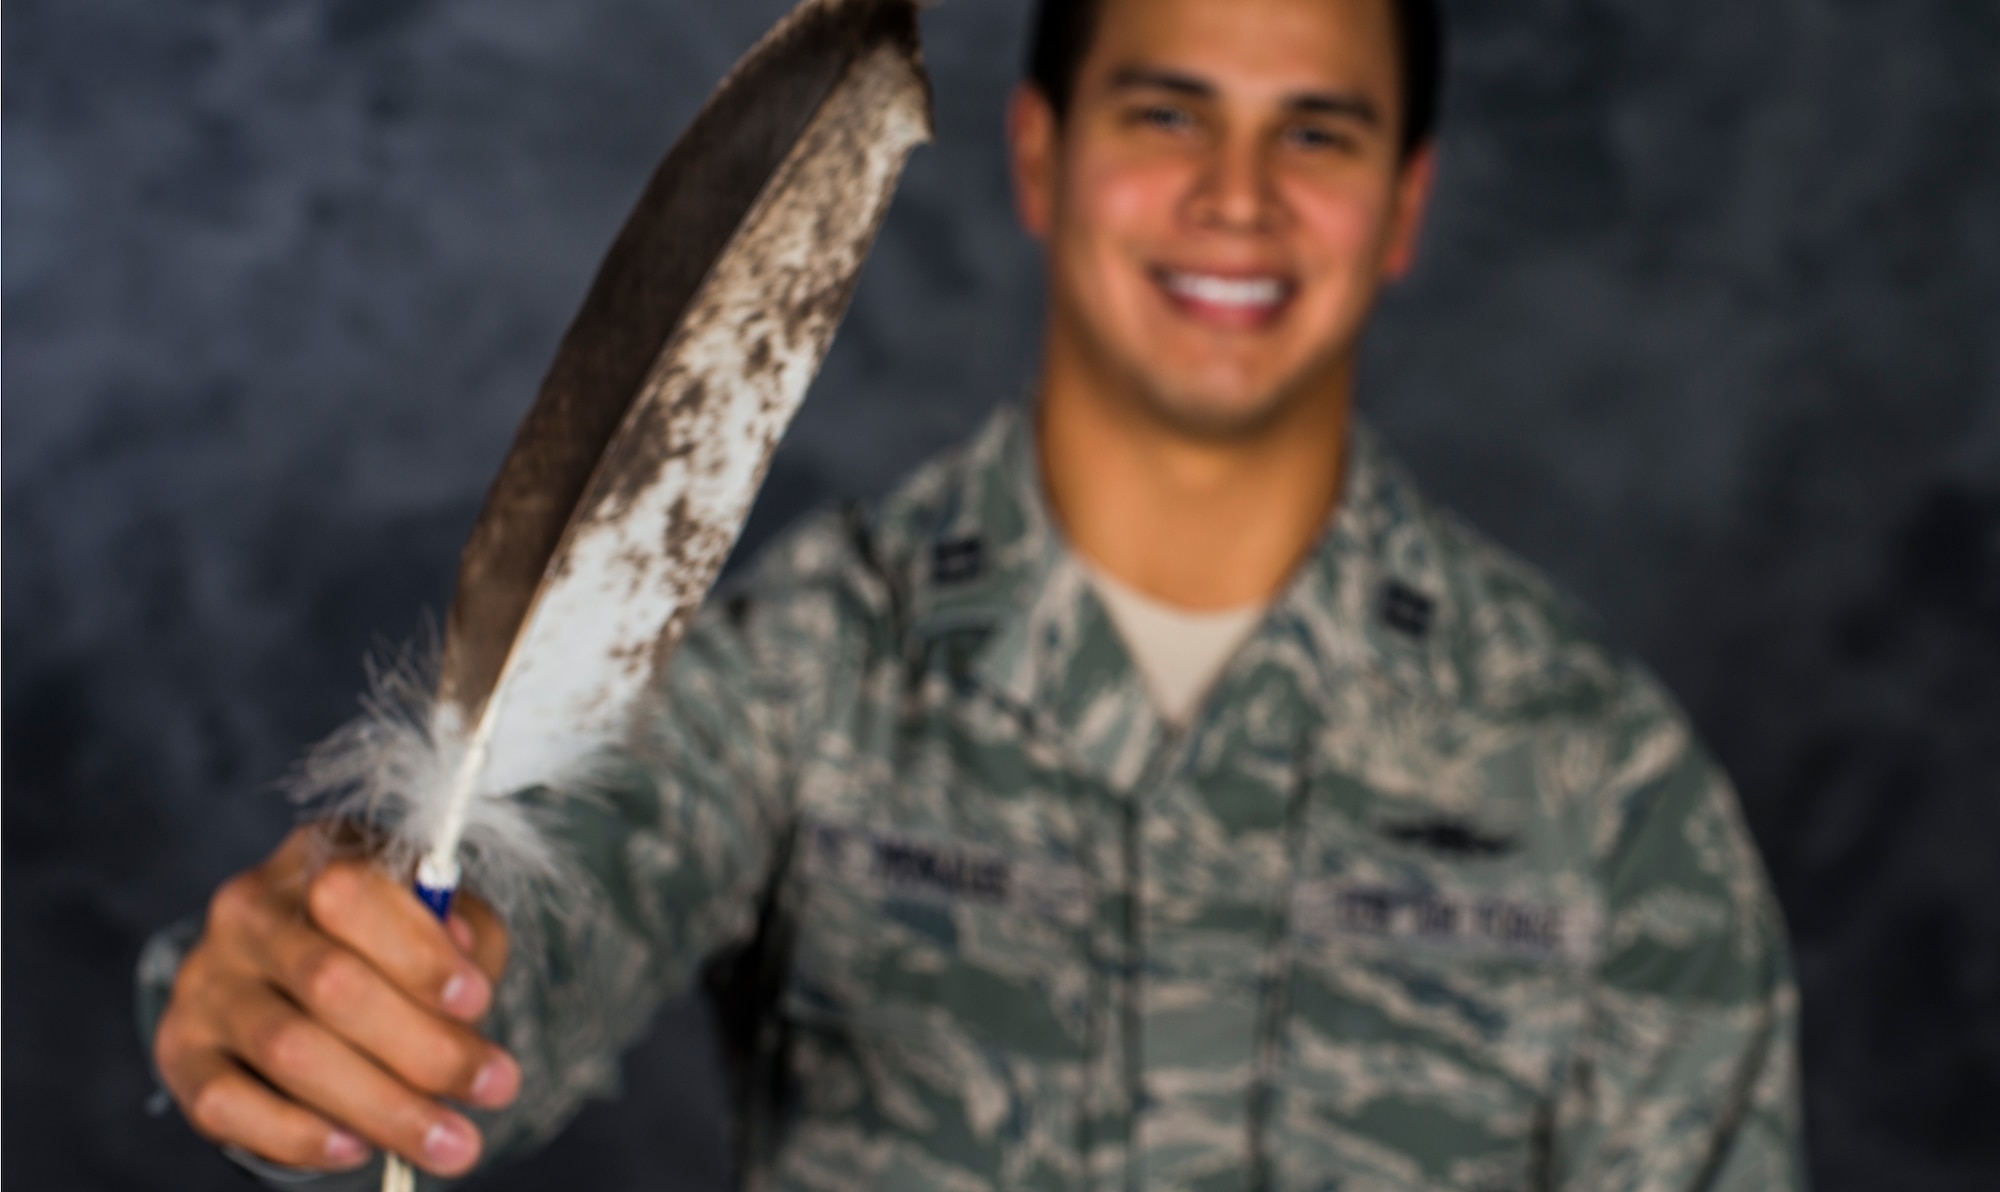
[{"x": 1060, "y": 37}]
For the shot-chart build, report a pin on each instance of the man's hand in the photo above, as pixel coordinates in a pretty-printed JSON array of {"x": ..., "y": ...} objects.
[{"x": 326, "y": 1010}]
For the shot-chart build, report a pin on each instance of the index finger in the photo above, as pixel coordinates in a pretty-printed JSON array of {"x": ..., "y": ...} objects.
[{"x": 364, "y": 908}]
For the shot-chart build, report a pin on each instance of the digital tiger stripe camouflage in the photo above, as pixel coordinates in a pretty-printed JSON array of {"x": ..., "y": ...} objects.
[{"x": 1438, "y": 892}]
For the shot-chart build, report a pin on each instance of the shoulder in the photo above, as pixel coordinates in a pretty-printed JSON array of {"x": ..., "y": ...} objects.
[
  {"x": 1514, "y": 653},
  {"x": 1530, "y": 653},
  {"x": 1655, "y": 816},
  {"x": 1515, "y": 645}
]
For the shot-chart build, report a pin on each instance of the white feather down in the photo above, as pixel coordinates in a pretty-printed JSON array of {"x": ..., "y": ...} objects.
[{"x": 394, "y": 768}]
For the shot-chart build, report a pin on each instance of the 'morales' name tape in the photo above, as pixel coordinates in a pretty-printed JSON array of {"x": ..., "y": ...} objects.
[{"x": 939, "y": 870}]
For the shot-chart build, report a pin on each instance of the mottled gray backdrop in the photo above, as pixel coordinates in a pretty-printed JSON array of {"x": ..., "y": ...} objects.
[{"x": 1706, "y": 325}]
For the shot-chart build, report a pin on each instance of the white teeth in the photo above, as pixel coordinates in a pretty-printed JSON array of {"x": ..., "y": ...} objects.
[{"x": 1224, "y": 291}]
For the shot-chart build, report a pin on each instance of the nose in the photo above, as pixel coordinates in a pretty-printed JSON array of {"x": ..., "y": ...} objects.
[{"x": 1235, "y": 191}]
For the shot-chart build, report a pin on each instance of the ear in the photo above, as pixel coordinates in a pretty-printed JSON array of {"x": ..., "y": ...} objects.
[
  {"x": 1412, "y": 200},
  {"x": 1032, "y": 147}
]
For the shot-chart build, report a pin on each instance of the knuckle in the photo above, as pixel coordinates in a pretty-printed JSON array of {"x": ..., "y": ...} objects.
[
  {"x": 300, "y": 1152},
  {"x": 229, "y": 907},
  {"x": 189, "y": 982},
  {"x": 442, "y": 1064},
  {"x": 208, "y": 1109},
  {"x": 333, "y": 890},
  {"x": 330, "y": 977},
  {"x": 190, "y": 1014},
  {"x": 282, "y": 1045},
  {"x": 169, "y": 1042},
  {"x": 426, "y": 965}
]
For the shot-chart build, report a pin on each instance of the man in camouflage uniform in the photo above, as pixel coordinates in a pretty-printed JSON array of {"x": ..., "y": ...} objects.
[{"x": 1431, "y": 889}]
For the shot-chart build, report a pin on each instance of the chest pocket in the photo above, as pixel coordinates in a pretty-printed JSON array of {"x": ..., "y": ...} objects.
[
  {"x": 1430, "y": 1001},
  {"x": 925, "y": 937}
]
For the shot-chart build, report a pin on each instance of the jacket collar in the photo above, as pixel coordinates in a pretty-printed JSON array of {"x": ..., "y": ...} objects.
[{"x": 1371, "y": 599}]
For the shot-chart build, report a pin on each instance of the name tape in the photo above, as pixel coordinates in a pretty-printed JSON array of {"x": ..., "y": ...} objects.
[
  {"x": 1477, "y": 924},
  {"x": 942, "y": 871}
]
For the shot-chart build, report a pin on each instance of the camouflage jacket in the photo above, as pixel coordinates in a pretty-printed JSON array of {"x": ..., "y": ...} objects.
[{"x": 1437, "y": 892}]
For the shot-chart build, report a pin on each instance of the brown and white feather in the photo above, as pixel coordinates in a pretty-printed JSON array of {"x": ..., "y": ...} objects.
[{"x": 632, "y": 475}]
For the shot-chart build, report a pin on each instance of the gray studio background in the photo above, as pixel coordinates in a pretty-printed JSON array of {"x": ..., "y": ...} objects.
[{"x": 1706, "y": 325}]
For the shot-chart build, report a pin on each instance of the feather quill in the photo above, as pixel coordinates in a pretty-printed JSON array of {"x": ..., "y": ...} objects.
[{"x": 634, "y": 471}]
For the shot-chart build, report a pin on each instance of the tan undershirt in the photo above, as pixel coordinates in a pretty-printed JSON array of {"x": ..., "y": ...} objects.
[{"x": 1179, "y": 653}]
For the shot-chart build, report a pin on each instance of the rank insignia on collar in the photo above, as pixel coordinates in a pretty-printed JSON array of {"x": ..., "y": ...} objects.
[
  {"x": 958, "y": 560},
  {"x": 1407, "y": 610}
]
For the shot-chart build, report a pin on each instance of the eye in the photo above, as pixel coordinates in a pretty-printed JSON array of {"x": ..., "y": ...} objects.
[
  {"x": 1319, "y": 138},
  {"x": 1164, "y": 117}
]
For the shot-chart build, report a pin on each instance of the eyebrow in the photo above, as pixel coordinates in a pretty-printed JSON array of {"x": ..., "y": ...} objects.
[{"x": 1345, "y": 104}]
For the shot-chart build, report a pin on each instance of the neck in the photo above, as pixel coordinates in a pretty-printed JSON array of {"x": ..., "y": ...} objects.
[{"x": 1199, "y": 522}]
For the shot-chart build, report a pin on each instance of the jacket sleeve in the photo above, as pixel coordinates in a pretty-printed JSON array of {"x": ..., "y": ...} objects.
[
  {"x": 673, "y": 842},
  {"x": 1685, "y": 1076}
]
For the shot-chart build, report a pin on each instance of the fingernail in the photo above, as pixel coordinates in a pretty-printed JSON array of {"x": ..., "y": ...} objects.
[
  {"x": 465, "y": 994},
  {"x": 450, "y": 1144},
  {"x": 496, "y": 1083},
  {"x": 461, "y": 933},
  {"x": 344, "y": 1150}
]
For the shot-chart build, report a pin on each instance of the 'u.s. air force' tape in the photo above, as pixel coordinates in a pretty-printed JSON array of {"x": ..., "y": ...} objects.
[
  {"x": 1448, "y": 920},
  {"x": 939, "y": 870}
]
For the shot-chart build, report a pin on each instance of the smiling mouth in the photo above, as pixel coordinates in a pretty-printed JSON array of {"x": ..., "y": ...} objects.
[{"x": 1239, "y": 302}]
